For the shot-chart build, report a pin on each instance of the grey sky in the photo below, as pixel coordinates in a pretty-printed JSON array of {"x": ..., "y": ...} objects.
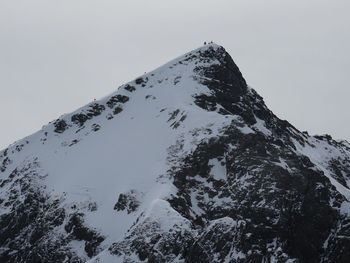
[{"x": 56, "y": 56}]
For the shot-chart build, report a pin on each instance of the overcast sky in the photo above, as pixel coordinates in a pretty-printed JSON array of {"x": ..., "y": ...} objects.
[{"x": 56, "y": 56}]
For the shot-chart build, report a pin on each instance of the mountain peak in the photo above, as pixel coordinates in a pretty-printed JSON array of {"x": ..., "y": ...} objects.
[
  {"x": 206, "y": 76},
  {"x": 182, "y": 164},
  {"x": 222, "y": 65}
]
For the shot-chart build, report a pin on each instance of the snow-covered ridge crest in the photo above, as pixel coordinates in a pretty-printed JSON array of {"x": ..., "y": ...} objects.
[
  {"x": 92, "y": 109},
  {"x": 88, "y": 118}
]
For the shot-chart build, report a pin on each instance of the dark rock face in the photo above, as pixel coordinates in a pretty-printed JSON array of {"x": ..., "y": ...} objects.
[
  {"x": 60, "y": 126},
  {"x": 94, "y": 110},
  {"x": 128, "y": 201},
  {"x": 24, "y": 231},
  {"x": 117, "y": 110},
  {"x": 116, "y": 99},
  {"x": 75, "y": 227},
  {"x": 151, "y": 244},
  {"x": 29, "y": 231},
  {"x": 275, "y": 205},
  {"x": 141, "y": 81},
  {"x": 129, "y": 88},
  {"x": 227, "y": 84}
]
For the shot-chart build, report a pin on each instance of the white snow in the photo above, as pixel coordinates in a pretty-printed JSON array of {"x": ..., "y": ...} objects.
[
  {"x": 260, "y": 126},
  {"x": 218, "y": 170}
]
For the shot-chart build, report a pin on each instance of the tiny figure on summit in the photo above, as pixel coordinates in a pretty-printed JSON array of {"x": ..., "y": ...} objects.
[{"x": 210, "y": 42}]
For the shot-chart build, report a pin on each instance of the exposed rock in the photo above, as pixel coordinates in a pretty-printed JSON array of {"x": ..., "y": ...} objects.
[
  {"x": 129, "y": 88},
  {"x": 114, "y": 100},
  {"x": 141, "y": 81},
  {"x": 60, "y": 126},
  {"x": 117, "y": 110},
  {"x": 128, "y": 201},
  {"x": 76, "y": 228},
  {"x": 93, "y": 110}
]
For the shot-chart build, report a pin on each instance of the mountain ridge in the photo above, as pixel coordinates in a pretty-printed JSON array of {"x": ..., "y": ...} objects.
[{"x": 182, "y": 164}]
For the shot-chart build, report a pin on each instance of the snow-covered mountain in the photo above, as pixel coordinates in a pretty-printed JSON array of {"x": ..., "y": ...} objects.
[{"x": 183, "y": 164}]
